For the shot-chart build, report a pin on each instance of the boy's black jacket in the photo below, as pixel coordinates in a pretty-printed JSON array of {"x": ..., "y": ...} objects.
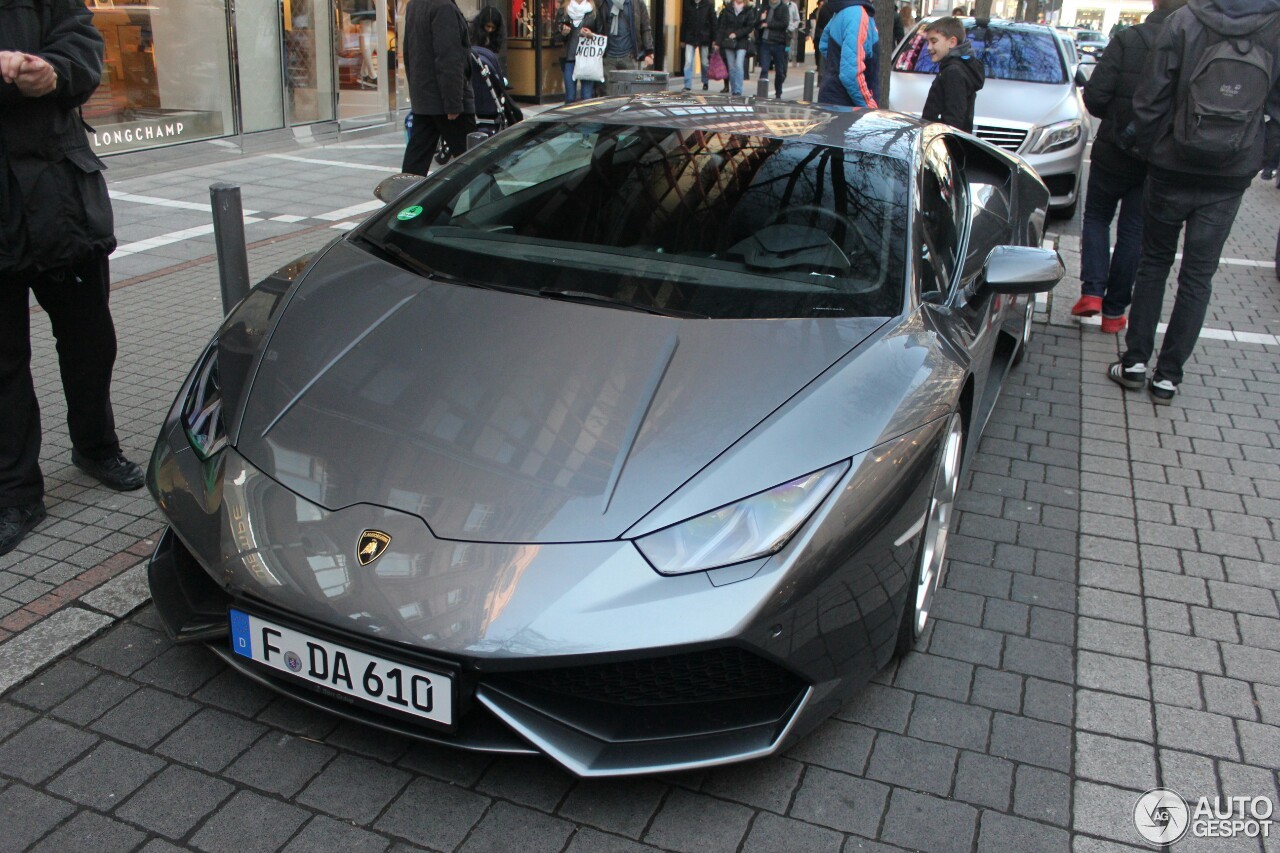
[{"x": 954, "y": 90}]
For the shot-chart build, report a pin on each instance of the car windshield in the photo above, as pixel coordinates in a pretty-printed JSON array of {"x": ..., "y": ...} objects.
[
  {"x": 1089, "y": 36},
  {"x": 692, "y": 223},
  {"x": 1029, "y": 56}
]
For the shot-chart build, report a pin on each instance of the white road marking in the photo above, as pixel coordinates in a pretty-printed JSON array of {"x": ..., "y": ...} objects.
[
  {"x": 384, "y": 169},
  {"x": 348, "y": 212},
  {"x": 167, "y": 239},
  {"x": 1208, "y": 334},
  {"x": 344, "y": 226},
  {"x": 287, "y": 217},
  {"x": 349, "y": 146}
]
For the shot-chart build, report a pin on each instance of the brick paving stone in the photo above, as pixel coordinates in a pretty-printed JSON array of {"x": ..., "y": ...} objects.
[
  {"x": 692, "y": 823},
  {"x": 587, "y": 840},
  {"x": 773, "y": 834},
  {"x": 1121, "y": 716},
  {"x": 280, "y": 763},
  {"x": 921, "y": 822},
  {"x": 249, "y": 822},
  {"x": 175, "y": 801},
  {"x": 125, "y": 648},
  {"x": 181, "y": 669},
  {"x": 1004, "y": 832},
  {"x": 984, "y": 780},
  {"x": 91, "y": 833},
  {"x": 12, "y": 718},
  {"x": 41, "y": 749},
  {"x": 532, "y": 782},
  {"x": 28, "y": 815},
  {"x": 1196, "y": 731},
  {"x": 504, "y": 822},
  {"x": 1031, "y": 741},
  {"x": 1042, "y": 795},
  {"x": 99, "y": 696},
  {"x": 210, "y": 740},
  {"x": 837, "y": 745},
  {"x": 842, "y": 802},
  {"x": 768, "y": 784},
  {"x": 621, "y": 805},
  {"x": 911, "y": 763},
  {"x": 879, "y": 707},
  {"x": 354, "y": 788},
  {"x": 104, "y": 777},
  {"x": 326, "y": 835},
  {"x": 145, "y": 717},
  {"x": 1130, "y": 764},
  {"x": 453, "y": 812},
  {"x": 232, "y": 692},
  {"x": 54, "y": 685}
]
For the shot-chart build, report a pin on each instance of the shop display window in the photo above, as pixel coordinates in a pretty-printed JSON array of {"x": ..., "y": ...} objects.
[{"x": 166, "y": 76}]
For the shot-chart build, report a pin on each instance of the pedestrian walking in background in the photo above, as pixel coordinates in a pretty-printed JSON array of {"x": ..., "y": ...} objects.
[
  {"x": 817, "y": 21},
  {"x": 697, "y": 31},
  {"x": 56, "y": 231},
  {"x": 773, "y": 22},
  {"x": 850, "y": 48},
  {"x": 1116, "y": 176},
  {"x": 630, "y": 33},
  {"x": 899, "y": 29},
  {"x": 960, "y": 75},
  {"x": 574, "y": 19},
  {"x": 733, "y": 35},
  {"x": 1198, "y": 119},
  {"x": 437, "y": 62}
]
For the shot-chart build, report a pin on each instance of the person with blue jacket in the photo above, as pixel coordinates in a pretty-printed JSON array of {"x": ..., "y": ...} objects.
[{"x": 850, "y": 47}]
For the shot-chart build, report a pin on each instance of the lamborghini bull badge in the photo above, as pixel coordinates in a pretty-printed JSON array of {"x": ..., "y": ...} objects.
[{"x": 372, "y": 544}]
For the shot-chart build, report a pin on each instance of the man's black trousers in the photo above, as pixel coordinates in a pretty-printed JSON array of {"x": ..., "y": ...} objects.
[
  {"x": 425, "y": 136},
  {"x": 75, "y": 300},
  {"x": 1208, "y": 215}
]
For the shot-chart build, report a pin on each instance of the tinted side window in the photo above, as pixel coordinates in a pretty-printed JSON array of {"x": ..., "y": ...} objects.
[{"x": 942, "y": 214}]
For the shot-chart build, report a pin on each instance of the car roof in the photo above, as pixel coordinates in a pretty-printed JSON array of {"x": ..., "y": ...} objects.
[
  {"x": 872, "y": 131},
  {"x": 996, "y": 23}
]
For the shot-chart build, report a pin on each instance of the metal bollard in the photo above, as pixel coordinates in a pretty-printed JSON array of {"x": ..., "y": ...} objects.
[
  {"x": 762, "y": 88},
  {"x": 809, "y": 79},
  {"x": 228, "y": 240},
  {"x": 474, "y": 138}
]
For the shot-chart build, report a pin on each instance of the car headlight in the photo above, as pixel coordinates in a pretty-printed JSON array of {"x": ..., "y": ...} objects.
[
  {"x": 751, "y": 528},
  {"x": 202, "y": 410},
  {"x": 1057, "y": 137}
]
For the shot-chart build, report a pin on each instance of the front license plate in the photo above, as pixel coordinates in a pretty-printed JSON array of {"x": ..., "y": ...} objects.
[{"x": 366, "y": 677}]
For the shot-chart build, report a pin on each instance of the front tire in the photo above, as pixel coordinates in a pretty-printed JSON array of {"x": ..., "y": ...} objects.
[{"x": 932, "y": 553}]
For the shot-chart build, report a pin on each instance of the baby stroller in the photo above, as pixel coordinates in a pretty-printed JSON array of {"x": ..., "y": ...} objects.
[{"x": 495, "y": 110}]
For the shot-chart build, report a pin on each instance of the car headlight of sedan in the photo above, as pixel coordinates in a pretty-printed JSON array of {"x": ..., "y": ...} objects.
[
  {"x": 751, "y": 528},
  {"x": 202, "y": 410},
  {"x": 1057, "y": 137}
]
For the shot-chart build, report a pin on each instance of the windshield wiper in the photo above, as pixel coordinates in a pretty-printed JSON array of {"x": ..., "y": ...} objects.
[
  {"x": 413, "y": 264},
  {"x": 587, "y": 296}
]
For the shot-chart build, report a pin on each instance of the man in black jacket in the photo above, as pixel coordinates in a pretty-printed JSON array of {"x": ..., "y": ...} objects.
[
  {"x": 697, "y": 31},
  {"x": 1203, "y": 145},
  {"x": 437, "y": 63},
  {"x": 1116, "y": 176},
  {"x": 56, "y": 232}
]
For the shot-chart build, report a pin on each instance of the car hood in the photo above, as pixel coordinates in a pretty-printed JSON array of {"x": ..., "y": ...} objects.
[
  {"x": 499, "y": 417},
  {"x": 1003, "y": 101}
]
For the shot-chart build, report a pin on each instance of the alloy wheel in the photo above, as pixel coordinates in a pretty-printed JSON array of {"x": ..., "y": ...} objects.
[{"x": 937, "y": 528}]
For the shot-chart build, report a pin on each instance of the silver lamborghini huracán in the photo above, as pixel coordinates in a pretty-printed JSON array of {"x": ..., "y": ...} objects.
[{"x": 632, "y": 437}]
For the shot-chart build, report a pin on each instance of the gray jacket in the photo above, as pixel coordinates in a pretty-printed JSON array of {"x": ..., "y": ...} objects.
[{"x": 437, "y": 58}]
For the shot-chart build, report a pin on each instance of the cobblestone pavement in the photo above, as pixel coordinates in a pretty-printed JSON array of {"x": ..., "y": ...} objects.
[{"x": 1109, "y": 622}]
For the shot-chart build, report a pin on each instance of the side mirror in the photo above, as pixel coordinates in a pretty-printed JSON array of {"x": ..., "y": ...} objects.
[
  {"x": 1085, "y": 70},
  {"x": 388, "y": 189},
  {"x": 1018, "y": 270}
]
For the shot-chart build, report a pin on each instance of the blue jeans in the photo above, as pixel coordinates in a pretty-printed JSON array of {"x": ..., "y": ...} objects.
[
  {"x": 775, "y": 56},
  {"x": 1207, "y": 215},
  {"x": 735, "y": 59},
  {"x": 1104, "y": 272},
  {"x": 576, "y": 91},
  {"x": 703, "y": 51}
]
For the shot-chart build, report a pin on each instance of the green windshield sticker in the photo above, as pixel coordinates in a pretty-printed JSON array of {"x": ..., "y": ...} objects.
[{"x": 409, "y": 213}]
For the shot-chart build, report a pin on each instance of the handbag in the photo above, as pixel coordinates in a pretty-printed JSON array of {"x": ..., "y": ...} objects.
[
  {"x": 716, "y": 68},
  {"x": 589, "y": 61}
]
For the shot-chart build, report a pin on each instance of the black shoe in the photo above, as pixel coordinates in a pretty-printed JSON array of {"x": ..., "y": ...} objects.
[
  {"x": 115, "y": 472},
  {"x": 1268, "y": 174},
  {"x": 1132, "y": 377},
  {"x": 17, "y": 521},
  {"x": 704, "y": 86},
  {"x": 1162, "y": 391}
]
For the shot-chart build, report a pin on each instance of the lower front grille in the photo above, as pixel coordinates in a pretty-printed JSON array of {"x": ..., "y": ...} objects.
[
  {"x": 715, "y": 675},
  {"x": 1008, "y": 138},
  {"x": 1060, "y": 185}
]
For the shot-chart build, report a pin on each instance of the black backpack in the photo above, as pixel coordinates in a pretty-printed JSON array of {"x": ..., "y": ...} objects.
[{"x": 1222, "y": 112}]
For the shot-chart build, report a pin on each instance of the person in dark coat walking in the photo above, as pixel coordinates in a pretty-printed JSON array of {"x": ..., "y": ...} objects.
[
  {"x": 697, "y": 31},
  {"x": 1116, "y": 176},
  {"x": 960, "y": 75},
  {"x": 56, "y": 231},
  {"x": 733, "y": 35},
  {"x": 1197, "y": 171},
  {"x": 437, "y": 62},
  {"x": 772, "y": 27}
]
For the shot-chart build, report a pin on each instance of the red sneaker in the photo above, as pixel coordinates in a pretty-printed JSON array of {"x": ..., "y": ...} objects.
[
  {"x": 1114, "y": 325},
  {"x": 1088, "y": 306}
]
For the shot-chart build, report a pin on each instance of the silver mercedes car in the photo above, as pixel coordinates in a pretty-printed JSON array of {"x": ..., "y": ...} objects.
[
  {"x": 632, "y": 437},
  {"x": 1030, "y": 105}
]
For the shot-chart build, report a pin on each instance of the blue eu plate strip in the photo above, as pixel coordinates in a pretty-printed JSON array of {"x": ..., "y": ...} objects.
[{"x": 241, "y": 639}]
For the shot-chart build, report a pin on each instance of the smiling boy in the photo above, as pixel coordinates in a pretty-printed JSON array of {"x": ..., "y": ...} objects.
[{"x": 960, "y": 75}]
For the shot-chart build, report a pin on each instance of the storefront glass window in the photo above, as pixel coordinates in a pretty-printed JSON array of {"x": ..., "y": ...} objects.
[
  {"x": 166, "y": 75},
  {"x": 308, "y": 39}
]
